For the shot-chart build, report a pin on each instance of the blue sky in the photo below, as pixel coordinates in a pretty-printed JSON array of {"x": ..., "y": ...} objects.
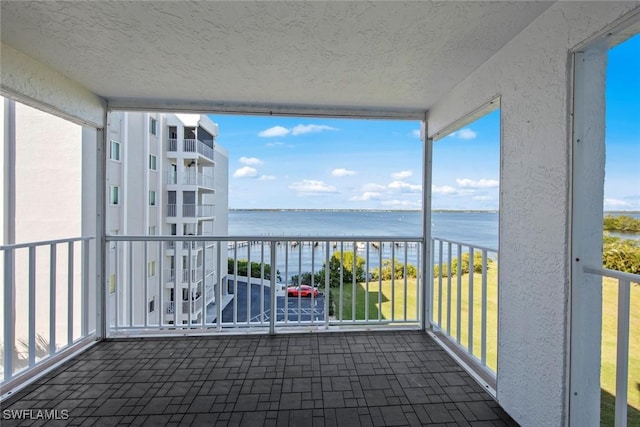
[{"x": 293, "y": 163}]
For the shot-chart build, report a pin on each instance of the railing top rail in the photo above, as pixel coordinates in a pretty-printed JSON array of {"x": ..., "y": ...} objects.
[
  {"x": 472, "y": 245},
  {"x": 348, "y": 239},
  {"x": 46, "y": 242},
  {"x": 620, "y": 275}
]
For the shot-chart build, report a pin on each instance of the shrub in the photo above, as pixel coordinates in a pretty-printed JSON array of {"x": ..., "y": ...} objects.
[
  {"x": 477, "y": 265},
  {"x": 398, "y": 267},
  {"x": 621, "y": 255},
  {"x": 256, "y": 268}
]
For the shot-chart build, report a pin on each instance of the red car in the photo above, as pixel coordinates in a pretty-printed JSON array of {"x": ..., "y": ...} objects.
[{"x": 302, "y": 290}]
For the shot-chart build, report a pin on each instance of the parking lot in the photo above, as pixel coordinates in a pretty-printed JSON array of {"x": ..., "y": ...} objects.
[{"x": 292, "y": 309}]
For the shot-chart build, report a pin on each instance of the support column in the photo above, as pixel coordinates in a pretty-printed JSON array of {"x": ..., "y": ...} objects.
[
  {"x": 588, "y": 161},
  {"x": 426, "y": 267}
]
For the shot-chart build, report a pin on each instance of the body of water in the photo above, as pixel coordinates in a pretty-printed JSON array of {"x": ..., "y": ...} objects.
[{"x": 476, "y": 228}]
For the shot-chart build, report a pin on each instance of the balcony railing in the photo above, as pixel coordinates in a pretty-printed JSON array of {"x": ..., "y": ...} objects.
[
  {"x": 195, "y": 146},
  {"x": 194, "y": 275},
  {"x": 191, "y": 178},
  {"x": 464, "y": 301},
  {"x": 386, "y": 289},
  {"x": 191, "y": 146},
  {"x": 191, "y": 210},
  {"x": 47, "y": 304},
  {"x": 622, "y": 338},
  {"x": 193, "y": 307}
]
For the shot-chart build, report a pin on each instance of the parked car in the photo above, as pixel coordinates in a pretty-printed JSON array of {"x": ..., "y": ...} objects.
[{"x": 302, "y": 290}]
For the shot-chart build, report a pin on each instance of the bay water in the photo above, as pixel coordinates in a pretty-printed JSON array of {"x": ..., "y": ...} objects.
[{"x": 476, "y": 228}]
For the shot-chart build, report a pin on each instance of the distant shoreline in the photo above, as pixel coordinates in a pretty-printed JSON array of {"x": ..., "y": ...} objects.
[
  {"x": 360, "y": 210},
  {"x": 393, "y": 210}
]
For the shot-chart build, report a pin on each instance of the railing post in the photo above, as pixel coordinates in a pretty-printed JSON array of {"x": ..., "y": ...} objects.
[
  {"x": 218, "y": 288},
  {"x": 327, "y": 286},
  {"x": 9, "y": 313},
  {"x": 272, "y": 290},
  {"x": 32, "y": 306},
  {"x": 52, "y": 299},
  {"x": 622, "y": 352}
]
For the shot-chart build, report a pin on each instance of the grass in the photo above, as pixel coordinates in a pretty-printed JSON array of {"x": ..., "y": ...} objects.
[
  {"x": 608, "y": 366},
  {"x": 379, "y": 298},
  {"x": 379, "y": 306}
]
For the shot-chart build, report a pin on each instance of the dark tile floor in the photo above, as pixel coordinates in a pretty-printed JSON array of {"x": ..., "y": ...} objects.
[{"x": 334, "y": 379}]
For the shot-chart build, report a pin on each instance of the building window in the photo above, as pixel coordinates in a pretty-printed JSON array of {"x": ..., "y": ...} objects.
[
  {"x": 152, "y": 126},
  {"x": 114, "y": 195},
  {"x": 152, "y": 230},
  {"x": 151, "y": 269},
  {"x": 114, "y": 151},
  {"x": 112, "y": 284},
  {"x": 152, "y": 305},
  {"x": 152, "y": 198},
  {"x": 153, "y": 162}
]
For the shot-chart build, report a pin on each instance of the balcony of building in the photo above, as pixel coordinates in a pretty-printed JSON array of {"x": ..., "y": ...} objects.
[
  {"x": 191, "y": 211},
  {"x": 190, "y": 181},
  {"x": 441, "y": 63},
  {"x": 191, "y": 148}
]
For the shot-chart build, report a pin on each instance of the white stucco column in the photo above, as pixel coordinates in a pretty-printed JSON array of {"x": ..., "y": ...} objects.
[{"x": 588, "y": 163}]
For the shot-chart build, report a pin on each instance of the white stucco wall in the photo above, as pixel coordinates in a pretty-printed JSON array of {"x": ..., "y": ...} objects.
[
  {"x": 34, "y": 83},
  {"x": 532, "y": 74}
]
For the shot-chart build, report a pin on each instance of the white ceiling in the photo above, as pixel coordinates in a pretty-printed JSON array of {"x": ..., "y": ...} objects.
[{"x": 352, "y": 55}]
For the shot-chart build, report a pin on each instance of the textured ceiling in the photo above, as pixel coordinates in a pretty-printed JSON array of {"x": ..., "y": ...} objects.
[{"x": 361, "y": 55}]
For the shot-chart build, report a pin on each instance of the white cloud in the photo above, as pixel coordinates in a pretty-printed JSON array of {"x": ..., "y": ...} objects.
[
  {"x": 401, "y": 203},
  {"x": 267, "y": 178},
  {"x": 444, "y": 189},
  {"x": 415, "y": 133},
  {"x": 245, "y": 172},
  {"x": 401, "y": 185},
  {"x": 616, "y": 203},
  {"x": 250, "y": 161},
  {"x": 274, "y": 131},
  {"x": 401, "y": 174},
  {"x": 482, "y": 198},
  {"x": 368, "y": 195},
  {"x": 466, "y": 133},
  {"x": 312, "y": 186},
  {"x": 342, "y": 172},
  {"x": 302, "y": 129},
  {"x": 481, "y": 183}
]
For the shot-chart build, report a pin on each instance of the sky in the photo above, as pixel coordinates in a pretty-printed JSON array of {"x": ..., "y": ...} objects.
[{"x": 309, "y": 163}]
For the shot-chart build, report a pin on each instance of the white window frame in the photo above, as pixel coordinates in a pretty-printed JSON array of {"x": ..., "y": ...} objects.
[
  {"x": 114, "y": 190},
  {"x": 152, "y": 198},
  {"x": 114, "y": 155},
  {"x": 153, "y": 126},
  {"x": 151, "y": 268},
  {"x": 153, "y": 162}
]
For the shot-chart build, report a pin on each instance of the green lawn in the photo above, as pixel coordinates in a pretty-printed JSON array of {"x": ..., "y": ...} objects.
[
  {"x": 379, "y": 302},
  {"x": 609, "y": 324}
]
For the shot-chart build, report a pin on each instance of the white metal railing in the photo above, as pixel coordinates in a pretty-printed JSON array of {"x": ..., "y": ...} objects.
[
  {"x": 172, "y": 210},
  {"x": 46, "y": 302},
  {"x": 197, "y": 211},
  {"x": 198, "y": 179},
  {"x": 171, "y": 177},
  {"x": 461, "y": 306},
  {"x": 386, "y": 289},
  {"x": 172, "y": 144},
  {"x": 622, "y": 338},
  {"x": 196, "y": 146}
]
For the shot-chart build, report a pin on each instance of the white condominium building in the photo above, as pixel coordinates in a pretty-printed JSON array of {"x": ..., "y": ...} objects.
[{"x": 165, "y": 176}]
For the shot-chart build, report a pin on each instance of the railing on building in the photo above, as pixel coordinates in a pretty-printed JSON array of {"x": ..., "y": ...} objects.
[
  {"x": 196, "y": 146},
  {"x": 374, "y": 296},
  {"x": 464, "y": 301},
  {"x": 622, "y": 339},
  {"x": 47, "y": 304},
  {"x": 198, "y": 179},
  {"x": 190, "y": 145}
]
